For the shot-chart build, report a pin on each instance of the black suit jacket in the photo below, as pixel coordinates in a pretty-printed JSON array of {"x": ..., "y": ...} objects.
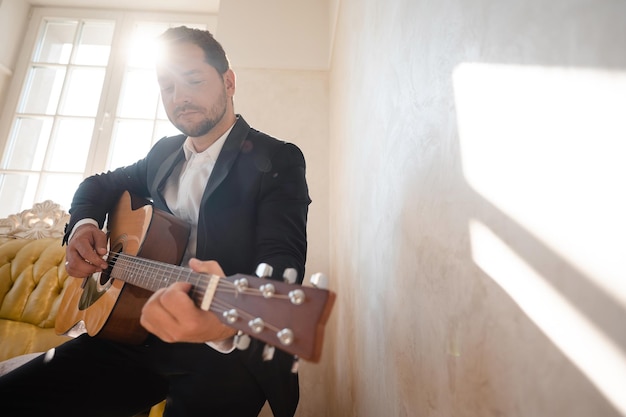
[{"x": 254, "y": 207}]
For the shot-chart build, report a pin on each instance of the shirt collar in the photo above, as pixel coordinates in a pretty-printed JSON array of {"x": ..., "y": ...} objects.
[{"x": 212, "y": 152}]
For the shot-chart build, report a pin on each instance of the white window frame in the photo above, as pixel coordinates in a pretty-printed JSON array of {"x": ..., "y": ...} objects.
[{"x": 99, "y": 151}]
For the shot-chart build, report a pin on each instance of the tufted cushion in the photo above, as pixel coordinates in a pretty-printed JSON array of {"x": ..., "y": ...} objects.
[{"x": 32, "y": 279}]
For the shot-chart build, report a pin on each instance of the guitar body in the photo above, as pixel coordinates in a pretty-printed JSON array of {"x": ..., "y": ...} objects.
[
  {"x": 110, "y": 308},
  {"x": 146, "y": 247}
]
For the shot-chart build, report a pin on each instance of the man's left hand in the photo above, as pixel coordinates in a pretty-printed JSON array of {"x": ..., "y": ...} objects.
[{"x": 172, "y": 316}]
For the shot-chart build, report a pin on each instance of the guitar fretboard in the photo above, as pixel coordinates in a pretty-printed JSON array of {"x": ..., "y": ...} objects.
[{"x": 154, "y": 275}]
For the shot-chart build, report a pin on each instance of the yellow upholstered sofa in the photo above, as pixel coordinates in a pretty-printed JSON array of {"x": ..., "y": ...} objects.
[
  {"x": 32, "y": 279},
  {"x": 32, "y": 282}
]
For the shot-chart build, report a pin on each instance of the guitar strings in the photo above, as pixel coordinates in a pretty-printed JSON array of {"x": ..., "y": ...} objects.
[
  {"x": 155, "y": 275},
  {"x": 219, "y": 310},
  {"x": 159, "y": 273}
]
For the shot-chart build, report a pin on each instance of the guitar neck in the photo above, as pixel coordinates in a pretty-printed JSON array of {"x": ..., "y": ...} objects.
[
  {"x": 154, "y": 275},
  {"x": 288, "y": 316}
]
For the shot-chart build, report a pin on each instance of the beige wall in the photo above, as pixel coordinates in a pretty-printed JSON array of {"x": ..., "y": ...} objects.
[
  {"x": 477, "y": 215},
  {"x": 13, "y": 17},
  {"x": 279, "y": 50},
  {"x": 275, "y": 33}
]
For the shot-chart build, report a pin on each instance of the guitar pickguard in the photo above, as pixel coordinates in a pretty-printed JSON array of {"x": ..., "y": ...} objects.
[{"x": 93, "y": 289}]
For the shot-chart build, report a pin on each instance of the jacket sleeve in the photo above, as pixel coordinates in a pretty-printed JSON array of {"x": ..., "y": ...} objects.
[
  {"x": 97, "y": 195},
  {"x": 281, "y": 238}
]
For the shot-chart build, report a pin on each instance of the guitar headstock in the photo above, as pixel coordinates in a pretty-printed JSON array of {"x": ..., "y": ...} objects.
[{"x": 287, "y": 316}]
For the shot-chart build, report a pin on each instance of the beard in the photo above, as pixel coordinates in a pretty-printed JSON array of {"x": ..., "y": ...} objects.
[{"x": 212, "y": 117}]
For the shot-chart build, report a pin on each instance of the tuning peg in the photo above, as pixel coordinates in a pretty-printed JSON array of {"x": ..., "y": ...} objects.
[
  {"x": 319, "y": 280},
  {"x": 268, "y": 352},
  {"x": 264, "y": 270},
  {"x": 295, "y": 365},
  {"x": 242, "y": 341},
  {"x": 290, "y": 275}
]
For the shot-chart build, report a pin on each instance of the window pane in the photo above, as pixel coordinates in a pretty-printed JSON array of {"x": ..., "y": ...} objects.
[
  {"x": 161, "y": 115},
  {"x": 162, "y": 128},
  {"x": 70, "y": 145},
  {"x": 17, "y": 192},
  {"x": 94, "y": 45},
  {"x": 42, "y": 90},
  {"x": 131, "y": 141},
  {"x": 29, "y": 139},
  {"x": 141, "y": 51},
  {"x": 56, "y": 46},
  {"x": 83, "y": 92},
  {"x": 48, "y": 147},
  {"x": 59, "y": 188},
  {"x": 139, "y": 96}
]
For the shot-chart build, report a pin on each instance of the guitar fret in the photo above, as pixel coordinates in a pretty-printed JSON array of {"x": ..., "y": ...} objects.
[{"x": 153, "y": 275}]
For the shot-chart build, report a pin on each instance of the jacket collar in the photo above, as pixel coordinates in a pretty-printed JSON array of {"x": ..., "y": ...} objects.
[
  {"x": 227, "y": 156},
  {"x": 225, "y": 160}
]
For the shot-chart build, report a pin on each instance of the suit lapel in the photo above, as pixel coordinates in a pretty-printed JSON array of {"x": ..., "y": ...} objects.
[
  {"x": 165, "y": 170},
  {"x": 227, "y": 157}
]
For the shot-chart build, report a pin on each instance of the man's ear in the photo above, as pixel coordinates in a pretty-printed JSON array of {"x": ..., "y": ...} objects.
[{"x": 229, "y": 81}]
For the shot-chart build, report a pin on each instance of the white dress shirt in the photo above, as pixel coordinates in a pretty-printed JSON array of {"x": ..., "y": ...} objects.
[{"x": 183, "y": 194}]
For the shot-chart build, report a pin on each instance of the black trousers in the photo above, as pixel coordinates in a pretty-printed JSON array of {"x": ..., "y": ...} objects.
[{"x": 91, "y": 377}]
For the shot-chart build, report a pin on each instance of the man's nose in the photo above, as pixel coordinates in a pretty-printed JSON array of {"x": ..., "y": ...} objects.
[{"x": 181, "y": 94}]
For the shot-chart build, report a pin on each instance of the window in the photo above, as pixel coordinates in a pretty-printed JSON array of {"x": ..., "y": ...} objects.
[{"x": 87, "y": 101}]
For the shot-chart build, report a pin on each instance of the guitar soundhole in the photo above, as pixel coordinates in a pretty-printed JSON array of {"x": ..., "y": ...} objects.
[
  {"x": 97, "y": 284},
  {"x": 105, "y": 276}
]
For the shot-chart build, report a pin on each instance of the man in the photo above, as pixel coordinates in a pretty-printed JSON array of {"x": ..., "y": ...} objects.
[{"x": 245, "y": 196}]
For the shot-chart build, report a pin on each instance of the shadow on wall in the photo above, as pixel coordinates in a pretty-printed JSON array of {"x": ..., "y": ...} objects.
[
  {"x": 478, "y": 162},
  {"x": 534, "y": 231},
  {"x": 541, "y": 147}
]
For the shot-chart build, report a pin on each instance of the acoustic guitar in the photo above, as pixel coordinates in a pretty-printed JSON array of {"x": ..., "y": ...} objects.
[{"x": 145, "y": 247}]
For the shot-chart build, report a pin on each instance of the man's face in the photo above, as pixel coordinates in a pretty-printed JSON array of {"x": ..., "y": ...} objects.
[{"x": 195, "y": 96}]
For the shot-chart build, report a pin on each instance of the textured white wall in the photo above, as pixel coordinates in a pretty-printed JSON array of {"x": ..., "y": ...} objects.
[
  {"x": 279, "y": 51},
  {"x": 478, "y": 209},
  {"x": 293, "y": 106},
  {"x": 294, "y": 109},
  {"x": 13, "y": 15},
  {"x": 281, "y": 34}
]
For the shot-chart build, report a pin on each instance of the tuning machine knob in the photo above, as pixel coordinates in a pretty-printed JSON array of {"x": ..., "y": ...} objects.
[
  {"x": 290, "y": 275},
  {"x": 295, "y": 366},
  {"x": 242, "y": 341},
  {"x": 268, "y": 352},
  {"x": 264, "y": 270},
  {"x": 319, "y": 280}
]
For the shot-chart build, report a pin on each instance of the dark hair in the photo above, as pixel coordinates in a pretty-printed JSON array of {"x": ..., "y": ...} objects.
[{"x": 213, "y": 52}]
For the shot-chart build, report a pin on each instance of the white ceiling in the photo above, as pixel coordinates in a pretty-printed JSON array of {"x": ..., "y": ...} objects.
[{"x": 182, "y": 6}]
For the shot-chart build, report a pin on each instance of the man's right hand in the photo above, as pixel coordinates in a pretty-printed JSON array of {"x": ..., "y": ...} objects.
[{"x": 85, "y": 251}]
